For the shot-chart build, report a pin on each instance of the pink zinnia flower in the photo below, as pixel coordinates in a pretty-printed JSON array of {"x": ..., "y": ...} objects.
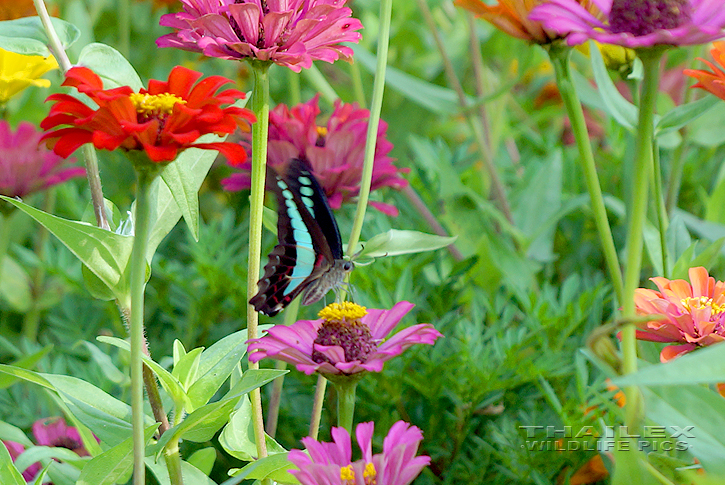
[
  {"x": 331, "y": 463},
  {"x": 290, "y": 33},
  {"x": 635, "y": 23},
  {"x": 689, "y": 315},
  {"x": 53, "y": 432},
  {"x": 347, "y": 339},
  {"x": 26, "y": 165},
  {"x": 335, "y": 151}
]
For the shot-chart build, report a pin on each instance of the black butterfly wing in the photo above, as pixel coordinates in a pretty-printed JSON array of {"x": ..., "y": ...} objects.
[{"x": 303, "y": 253}]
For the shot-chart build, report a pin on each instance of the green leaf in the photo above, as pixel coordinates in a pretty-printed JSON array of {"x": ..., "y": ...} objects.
[
  {"x": 705, "y": 258},
  {"x": 237, "y": 438},
  {"x": 185, "y": 194},
  {"x": 273, "y": 467},
  {"x": 629, "y": 463},
  {"x": 44, "y": 453},
  {"x": 104, "y": 361},
  {"x": 203, "y": 459},
  {"x": 705, "y": 366},
  {"x": 27, "y": 35},
  {"x": 619, "y": 108},
  {"x": 114, "y": 465},
  {"x": 215, "y": 365},
  {"x": 681, "y": 115},
  {"x": 186, "y": 370},
  {"x": 106, "y": 254},
  {"x": 8, "y": 432},
  {"x": 170, "y": 383},
  {"x": 9, "y": 475},
  {"x": 195, "y": 163},
  {"x": 395, "y": 242},
  {"x": 26, "y": 362},
  {"x": 110, "y": 65},
  {"x": 190, "y": 474},
  {"x": 681, "y": 407}
]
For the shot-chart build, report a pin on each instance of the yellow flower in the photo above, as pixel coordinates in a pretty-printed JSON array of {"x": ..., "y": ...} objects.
[
  {"x": 18, "y": 71},
  {"x": 616, "y": 57}
]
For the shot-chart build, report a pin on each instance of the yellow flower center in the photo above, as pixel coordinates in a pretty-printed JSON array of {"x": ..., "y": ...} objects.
[
  {"x": 155, "y": 105},
  {"x": 341, "y": 312},
  {"x": 322, "y": 131},
  {"x": 347, "y": 475},
  {"x": 691, "y": 304},
  {"x": 370, "y": 474}
]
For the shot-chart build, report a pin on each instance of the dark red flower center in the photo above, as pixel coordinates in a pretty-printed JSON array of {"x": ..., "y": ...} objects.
[
  {"x": 642, "y": 17},
  {"x": 346, "y": 330}
]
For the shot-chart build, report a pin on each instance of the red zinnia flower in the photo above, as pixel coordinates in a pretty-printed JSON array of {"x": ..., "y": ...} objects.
[{"x": 163, "y": 120}]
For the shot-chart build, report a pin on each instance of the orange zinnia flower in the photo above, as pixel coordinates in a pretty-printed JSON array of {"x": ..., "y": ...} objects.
[
  {"x": 163, "y": 120},
  {"x": 714, "y": 81},
  {"x": 688, "y": 314},
  {"x": 512, "y": 17}
]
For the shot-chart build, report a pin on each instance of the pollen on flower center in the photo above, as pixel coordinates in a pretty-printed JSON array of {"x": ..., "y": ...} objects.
[
  {"x": 347, "y": 474},
  {"x": 370, "y": 474},
  {"x": 703, "y": 302},
  {"x": 155, "y": 105},
  {"x": 343, "y": 328},
  {"x": 642, "y": 17}
]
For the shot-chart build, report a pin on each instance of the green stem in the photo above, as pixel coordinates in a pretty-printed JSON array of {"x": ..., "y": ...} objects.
[
  {"x": 142, "y": 225},
  {"x": 89, "y": 153},
  {"x": 31, "y": 322},
  {"x": 376, "y": 105},
  {"x": 290, "y": 315},
  {"x": 5, "y": 235},
  {"x": 317, "y": 404},
  {"x": 318, "y": 81},
  {"x": 346, "y": 402},
  {"x": 659, "y": 200},
  {"x": 293, "y": 87},
  {"x": 173, "y": 462},
  {"x": 260, "y": 107},
  {"x": 636, "y": 216},
  {"x": 560, "y": 59},
  {"x": 124, "y": 27},
  {"x": 357, "y": 84}
]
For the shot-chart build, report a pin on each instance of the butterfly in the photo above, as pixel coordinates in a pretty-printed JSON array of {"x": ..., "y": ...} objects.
[{"x": 308, "y": 256}]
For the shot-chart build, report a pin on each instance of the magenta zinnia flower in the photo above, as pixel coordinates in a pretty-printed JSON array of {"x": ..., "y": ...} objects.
[
  {"x": 689, "y": 315},
  {"x": 52, "y": 432},
  {"x": 636, "y": 23},
  {"x": 347, "y": 339},
  {"x": 26, "y": 166},
  {"x": 335, "y": 151},
  {"x": 331, "y": 463},
  {"x": 290, "y": 33}
]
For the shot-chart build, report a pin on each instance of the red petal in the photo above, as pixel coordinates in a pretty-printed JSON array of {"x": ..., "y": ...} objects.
[
  {"x": 67, "y": 140},
  {"x": 181, "y": 80},
  {"x": 164, "y": 153},
  {"x": 234, "y": 153}
]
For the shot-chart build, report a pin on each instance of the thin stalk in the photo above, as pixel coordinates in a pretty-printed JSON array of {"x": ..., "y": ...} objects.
[
  {"x": 345, "y": 403},
  {"x": 560, "y": 59},
  {"x": 499, "y": 193},
  {"x": 5, "y": 235},
  {"x": 31, "y": 322},
  {"x": 293, "y": 87},
  {"x": 89, "y": 153},
  {"x": 172, "y": 457},
  {"x": 260, "y": 107},
  {"x": 317, "y": 403},
  {"x": 659, "y": 200},
  {"x": 290, "y": 316},
  {"x": 138, "y": 283},
  {"x": 124, "y": 27},
  {"x": 481, "y": 84},
  {"x": 376, "y": 105},
  {"x": 636, "y": 216},
  {"x": 357, "y": 84}
]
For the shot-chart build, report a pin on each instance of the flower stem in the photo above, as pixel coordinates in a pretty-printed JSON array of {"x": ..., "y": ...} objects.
[
  {"x": 290, "y": 315},
  {"x": 317, "y": 404},
  {"x": 560, "y": 59},
  {"x": 357, "y": 84},
  {"x": 5, "y": 235},
  {"x": 346, "y": 403},
  {"x": 376, "y": 105},
  {"x": 173, "y": 462},
  {"x": 89, "y": 153},
  {"x": 662, "y": 219},
  {"x": 124, "y": 27},
  {"x": 637, "y": 211},
  {"x": 260, "y": 107},
  {"x": 138, "y": 282}
]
